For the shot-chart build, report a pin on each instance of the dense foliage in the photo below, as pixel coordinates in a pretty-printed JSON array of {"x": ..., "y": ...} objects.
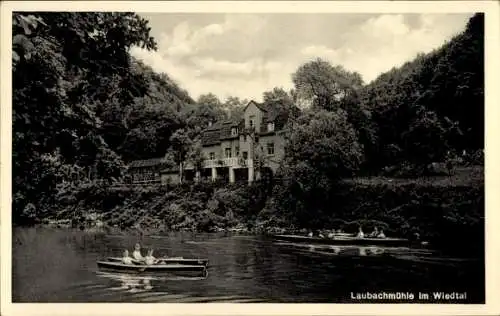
[
  {"x": 439, "y": 96},
  {"x": 198, "y": 207},
  {"x": 66, "y": 67},
  {"x": 404, "y": 123},
  {"x": 83, "y": 108}
]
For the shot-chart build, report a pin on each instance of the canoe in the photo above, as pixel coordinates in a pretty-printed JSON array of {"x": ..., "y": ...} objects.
[
  {"x": 171, "y": 260},
  {"x": 344, "y": 240},
  {"x": 118, "y": 266}
]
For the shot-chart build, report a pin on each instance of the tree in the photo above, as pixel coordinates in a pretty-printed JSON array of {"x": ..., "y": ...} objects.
[
  {"x": 208, "y": 109},
  {"x": 257, "y": 154},
  {"x": 195, "y": 155},
  {"x": 180, "y": 145},
  {"x": 326, "y": 141},
  {"x": 456, "y": 88},
  {"x": 278, "y": 94},
  {"x": 142, "y": 129},
  {"x": 425, "y": 140},
  {"x": 323, "y": 84},
  {"x": 81, "y": 61},
  {"x": 149, "y": 128},
  {"x": 448, "y": 82},
  {"x": 234, "y": 107},
  {"x": 321, "y": 148},
  {"x": 210, "y": 100}
]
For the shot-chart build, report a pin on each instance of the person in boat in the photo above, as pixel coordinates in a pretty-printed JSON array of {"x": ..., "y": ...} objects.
[
  {"x": 150, "y": 259},
  {"x": 416, "y": 236},
  {"x": 310, "y": 234},
  {"x": 375, "y": 232},
  {"x": 137, "y": 253},
  {"x": 331, "y": 234},
  {"x": 126, "y": 258},
  {"x": 381, "y": 234},
  {"x": 360, "y": 233}
]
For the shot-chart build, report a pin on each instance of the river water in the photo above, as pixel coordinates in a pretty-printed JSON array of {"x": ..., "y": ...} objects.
[{"x": 59, "y": 265}]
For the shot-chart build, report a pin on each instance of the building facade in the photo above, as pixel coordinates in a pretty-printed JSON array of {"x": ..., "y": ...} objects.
[
  {"x": 242, "y": 149},
  {"x": 239, "y": 150},
  {"x": 146, "y": 171}
]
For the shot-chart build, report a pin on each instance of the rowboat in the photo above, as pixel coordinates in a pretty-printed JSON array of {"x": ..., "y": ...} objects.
[
  {"x": 345, "y": 240},
  {"x": 156, "y": 268},
  {"x": 171, "y": 260}
]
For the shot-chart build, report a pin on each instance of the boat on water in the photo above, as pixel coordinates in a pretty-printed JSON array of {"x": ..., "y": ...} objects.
[
  {"x": 345, "y": 240},
  {"x": 171, "y": 260},
  {"x": 154, "y": 268}
]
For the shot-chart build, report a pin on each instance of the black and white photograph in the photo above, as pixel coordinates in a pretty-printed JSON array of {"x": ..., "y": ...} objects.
[{"x": 246, "y": 157}]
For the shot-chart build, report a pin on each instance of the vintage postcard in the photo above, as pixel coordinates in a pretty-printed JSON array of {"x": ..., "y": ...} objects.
[{"x": 291, "y": 158}]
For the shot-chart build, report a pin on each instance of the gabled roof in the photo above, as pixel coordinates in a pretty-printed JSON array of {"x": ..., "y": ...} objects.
[
  {"x": 273, "y": 111},
  {"x": 213, "y": 135},
  {"x": 146, "y": 163},
  {"x": 260, "y": 106}
]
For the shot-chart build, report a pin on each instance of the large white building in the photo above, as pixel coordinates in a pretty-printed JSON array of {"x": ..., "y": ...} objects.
[{"x": 234, "y": 150}]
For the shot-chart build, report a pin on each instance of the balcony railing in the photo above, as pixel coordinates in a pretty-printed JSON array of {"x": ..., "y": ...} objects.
[{"x": 234, "y": 162}]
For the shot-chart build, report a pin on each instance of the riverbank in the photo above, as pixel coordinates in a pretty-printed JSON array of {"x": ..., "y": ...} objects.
[
  {"x": 206, "y": 207},
  {"x": 445, "y": 210}
]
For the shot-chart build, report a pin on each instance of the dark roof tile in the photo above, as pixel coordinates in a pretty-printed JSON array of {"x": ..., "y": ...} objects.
[
  {"x": 210, "y": 137},
  {"x": 146, "y": 163},
  {"x": 218, "y": 131},
  {"x": 169, "y": 171},
  {"x": 274, "y": 111},
  {"x": 261, "y": 106}
]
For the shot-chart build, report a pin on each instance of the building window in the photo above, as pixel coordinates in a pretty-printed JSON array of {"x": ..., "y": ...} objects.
[
  {"x": 212, "y": 156},
  {"x": 270, "y": 127},
  {"x": 237, "y": 150},
  {"x": 251, "y": 120},
  {"x": 228, "y": 152},
  {"x": 234, "y": 131},
  {"x": 270, "y": 149},
  {"x": 245, "y": 138},
  {"x": 245, "y": 155}
]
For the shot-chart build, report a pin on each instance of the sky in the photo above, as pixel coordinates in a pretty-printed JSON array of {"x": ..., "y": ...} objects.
[{"x": 245, "y": 55}]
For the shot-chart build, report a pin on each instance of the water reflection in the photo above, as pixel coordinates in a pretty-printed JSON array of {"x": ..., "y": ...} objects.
[
  {"x": 370, "y": 251},
  {"x": 403, "y": 253},
  {"x": 135, "y": 283},
  {"x": 376, "y": 250},
  {"x": 344, "y": 250},
  {"x": 335, "y": 250}
]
